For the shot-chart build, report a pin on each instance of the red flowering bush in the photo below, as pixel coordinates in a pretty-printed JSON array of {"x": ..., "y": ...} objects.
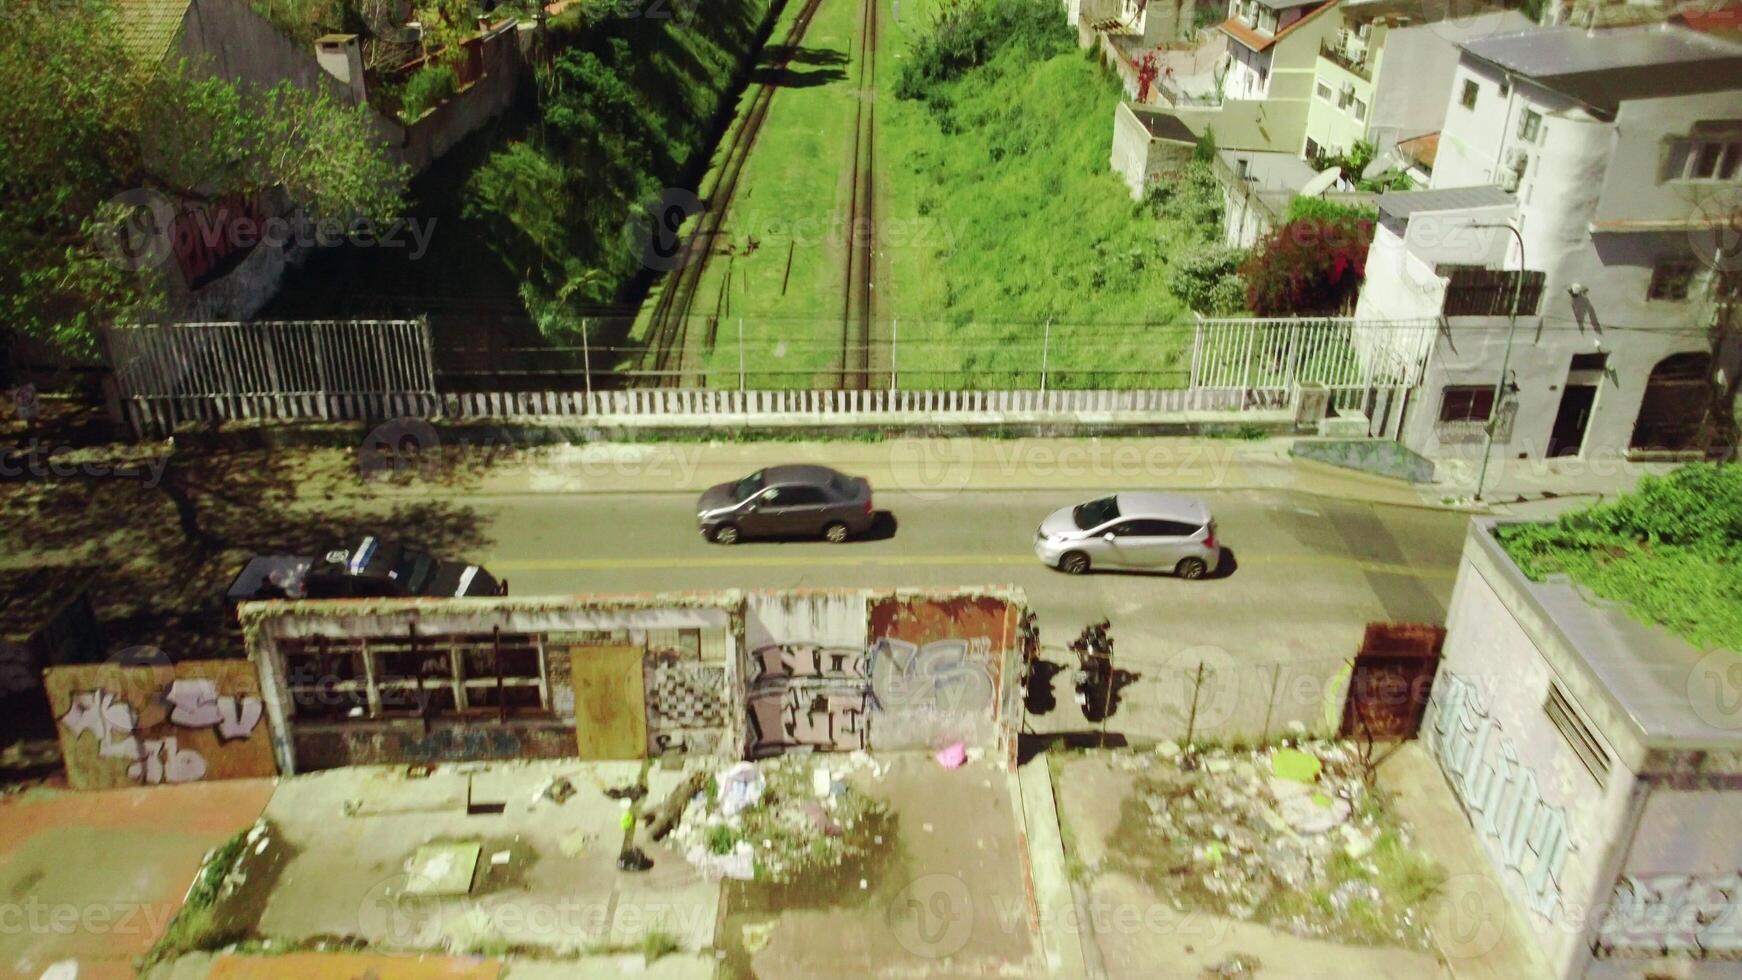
[{"x": 1308, "y": 266}]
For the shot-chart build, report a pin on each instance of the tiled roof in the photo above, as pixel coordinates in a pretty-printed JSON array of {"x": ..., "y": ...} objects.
[
  {"x": 1402, "y": 204},
  {"x": 149, "y": 27},
  {"x": 1258, "y": 42}
]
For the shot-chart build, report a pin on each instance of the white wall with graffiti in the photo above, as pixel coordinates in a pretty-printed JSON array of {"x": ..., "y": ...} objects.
[
  {"x": 842, "y": 671},
  {"x": 149, "y": 725},
  {"x": 1607, "y": 809}
]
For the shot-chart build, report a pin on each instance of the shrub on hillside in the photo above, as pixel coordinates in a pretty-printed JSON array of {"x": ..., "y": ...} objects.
[
  {"x": 425, "y": 89},
  {"x": 1311, "y": 266},
  {"x": 1208, "y": 279},
  {"x": 964, "y": 34},
  {"x": 1318, "y": 207}
]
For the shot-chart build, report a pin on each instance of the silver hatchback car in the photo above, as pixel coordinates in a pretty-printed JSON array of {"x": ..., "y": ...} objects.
[{"x": 1143, "y": 530}]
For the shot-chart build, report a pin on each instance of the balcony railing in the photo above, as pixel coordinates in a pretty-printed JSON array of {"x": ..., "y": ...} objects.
[{"x": 1354, "y": 63}]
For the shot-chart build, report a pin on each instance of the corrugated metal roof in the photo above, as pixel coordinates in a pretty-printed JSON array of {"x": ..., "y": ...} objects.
[
  {"x": 1603, "y": 67},
  {"x": 1402, "y": 204},
  {"x": 149, "y": 27}
]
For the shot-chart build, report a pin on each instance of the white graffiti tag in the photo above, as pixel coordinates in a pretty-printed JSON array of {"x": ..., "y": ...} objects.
[
  {"x": 114, "y": 724},
  {"x": 195, "y": 703}
]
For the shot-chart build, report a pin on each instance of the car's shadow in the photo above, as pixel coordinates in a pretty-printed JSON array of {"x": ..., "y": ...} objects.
[
  {"x": 1224, "y": 568},
  {"x": 883, "y": 527}
]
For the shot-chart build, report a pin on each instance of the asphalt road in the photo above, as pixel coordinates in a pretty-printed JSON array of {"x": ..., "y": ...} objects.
[{"x": 1307, "y": 573}]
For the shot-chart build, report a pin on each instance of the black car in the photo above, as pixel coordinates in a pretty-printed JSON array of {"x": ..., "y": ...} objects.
[
  {"x": 371, "y": 570},
  {"x": 783, "y": 501}
]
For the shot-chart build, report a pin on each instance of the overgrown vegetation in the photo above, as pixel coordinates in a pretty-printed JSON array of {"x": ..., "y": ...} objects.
[
  {"x": 196, "y": 926},
  {"x": 1319, "y": 209},
  {"x": 626, "y": 106},
  {"x": 1353, "y": 163},
  {"x": 1671, "y": 551},
  {"x": 425, "y": 89},
  {"x": 1000, "y": 144}
]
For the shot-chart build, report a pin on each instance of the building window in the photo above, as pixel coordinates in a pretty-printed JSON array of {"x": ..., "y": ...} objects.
[
  {"x": 1467, "y": 403},
  {"x": 1467, "y": 98},
  {"x": 1671, "y": 279},
  {"x": 402, "y": 676},
  {"x": 1359, "y": 110},
  {"x": 1263, "y": 78},
  {"x": 1530, "y": 126},
  {"x": 1704, "y": 160},
  {"x": 1312, "y": 149},
  {"x": 1323, "y": 91},
  {"x": 1578, "y": 734}
]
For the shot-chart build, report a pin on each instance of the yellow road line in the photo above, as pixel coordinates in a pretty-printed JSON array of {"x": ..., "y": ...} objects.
[{"x": 882, "y": 561}]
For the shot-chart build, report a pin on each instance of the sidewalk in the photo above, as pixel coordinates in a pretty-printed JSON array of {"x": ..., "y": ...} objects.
[{"x": 937, "y": 468}]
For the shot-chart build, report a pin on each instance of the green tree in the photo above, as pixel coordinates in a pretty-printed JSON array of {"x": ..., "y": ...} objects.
[{"x": 88, "y": 135}]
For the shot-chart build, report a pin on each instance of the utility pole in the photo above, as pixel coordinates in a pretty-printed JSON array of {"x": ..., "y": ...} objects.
[{"x": 1505, "y": 361}]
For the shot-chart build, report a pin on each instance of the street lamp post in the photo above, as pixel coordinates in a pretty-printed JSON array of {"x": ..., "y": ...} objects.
[{"x": 1505, "y": 361}]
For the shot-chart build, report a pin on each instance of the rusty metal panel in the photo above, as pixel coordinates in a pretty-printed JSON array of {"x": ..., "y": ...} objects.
[{"x": 1392, "y": 678}]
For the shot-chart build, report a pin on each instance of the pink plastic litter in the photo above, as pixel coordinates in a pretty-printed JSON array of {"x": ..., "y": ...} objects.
[{"x": 953, "y": 756}]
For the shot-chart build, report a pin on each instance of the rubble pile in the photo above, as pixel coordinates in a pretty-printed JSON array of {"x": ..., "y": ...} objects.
[
  {"x": 1290, "y": 836},
  {"x": 777, "y": 819}
]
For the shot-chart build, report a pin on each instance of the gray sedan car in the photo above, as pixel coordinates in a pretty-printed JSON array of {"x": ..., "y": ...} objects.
[
  {"x": 1147, "y": 531},
  {"x": 787, "y": 501}
]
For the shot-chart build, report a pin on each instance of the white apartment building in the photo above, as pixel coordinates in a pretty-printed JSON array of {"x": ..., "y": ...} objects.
[{"x": 1605, "y": 164}]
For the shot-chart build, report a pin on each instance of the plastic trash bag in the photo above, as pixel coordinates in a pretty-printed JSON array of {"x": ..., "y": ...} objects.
[{"x": 740, "y": 788}]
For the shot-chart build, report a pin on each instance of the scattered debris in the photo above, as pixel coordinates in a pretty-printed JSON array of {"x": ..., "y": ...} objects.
[
  {"x": 953, "y": 756},
  {"x": 1234, "y": 967},
  {"x": 779, "y": 818},
  {"x": 661, "y": 819},
  {"x": 632, "y": 859},
  {"x": 633, "y": 792},
  {"x": 575, "y": 844},
  {"x": 500, "y": 857},
  {"x": 740, "y": 788},
  {"x": 419, "y": 770},
  {"x": 1290, "y": 836},
  {"x": 557, "y": 790}
]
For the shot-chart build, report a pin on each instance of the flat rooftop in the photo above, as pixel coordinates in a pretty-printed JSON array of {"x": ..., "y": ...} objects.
[
  {"x": 1645, "y": 670},
  {"x": 1604, "y": 67}
]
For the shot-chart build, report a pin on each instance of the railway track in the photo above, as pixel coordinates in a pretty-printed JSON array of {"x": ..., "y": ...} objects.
[
  {"x": 668, "y": 333},
  {"x": 857, "y": 305}
]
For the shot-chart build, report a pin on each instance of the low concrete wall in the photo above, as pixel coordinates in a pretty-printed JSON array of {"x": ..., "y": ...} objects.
[{"x": 1380, "y": 457}]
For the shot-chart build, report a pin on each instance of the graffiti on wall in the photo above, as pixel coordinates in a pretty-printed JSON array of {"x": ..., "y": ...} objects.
[
  {"x": 1523, "y": 831},
  {"x": 686, "y": 708},
  {"x": 806, "y": 694},
  {"x": 1693, "y": 915},
  {"x": 148, "y": 726},
  {"x": 932, "y": 670}
]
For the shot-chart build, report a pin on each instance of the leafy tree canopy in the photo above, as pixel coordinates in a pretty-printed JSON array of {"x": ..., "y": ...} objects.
[
  {"x": 1309, "y": 266},
  {"x": 89, "y": 137}
]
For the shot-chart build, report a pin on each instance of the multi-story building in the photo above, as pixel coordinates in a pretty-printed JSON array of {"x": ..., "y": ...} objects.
[
  {"x": 1583, "y": 178},
  {"x": 1383, "y": 76}
]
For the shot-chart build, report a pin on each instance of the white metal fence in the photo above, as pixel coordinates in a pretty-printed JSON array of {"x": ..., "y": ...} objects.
[{"x": 377, "y": 369}]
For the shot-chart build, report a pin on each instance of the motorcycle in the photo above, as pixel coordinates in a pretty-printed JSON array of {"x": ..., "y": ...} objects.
[{"x": 1093, "y": 678}]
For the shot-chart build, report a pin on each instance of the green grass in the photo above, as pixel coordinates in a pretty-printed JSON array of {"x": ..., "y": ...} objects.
[
  {"x": 1671, "y": 552},
  {"x": 997, "y": 213}
]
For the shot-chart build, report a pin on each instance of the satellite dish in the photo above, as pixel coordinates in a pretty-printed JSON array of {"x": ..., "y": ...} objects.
[
  {"x": 1323, "y": 181},
  {"x": 1381, "y": 164}
]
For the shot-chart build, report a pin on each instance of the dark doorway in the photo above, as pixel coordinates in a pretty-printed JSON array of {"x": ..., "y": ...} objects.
[
  {"x": 1569, "y": 423},
  {"x": 1673, "y": 409}
]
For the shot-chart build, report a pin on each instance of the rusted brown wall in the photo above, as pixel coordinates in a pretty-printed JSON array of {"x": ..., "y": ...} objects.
[{"x": 129, "y": 726}]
